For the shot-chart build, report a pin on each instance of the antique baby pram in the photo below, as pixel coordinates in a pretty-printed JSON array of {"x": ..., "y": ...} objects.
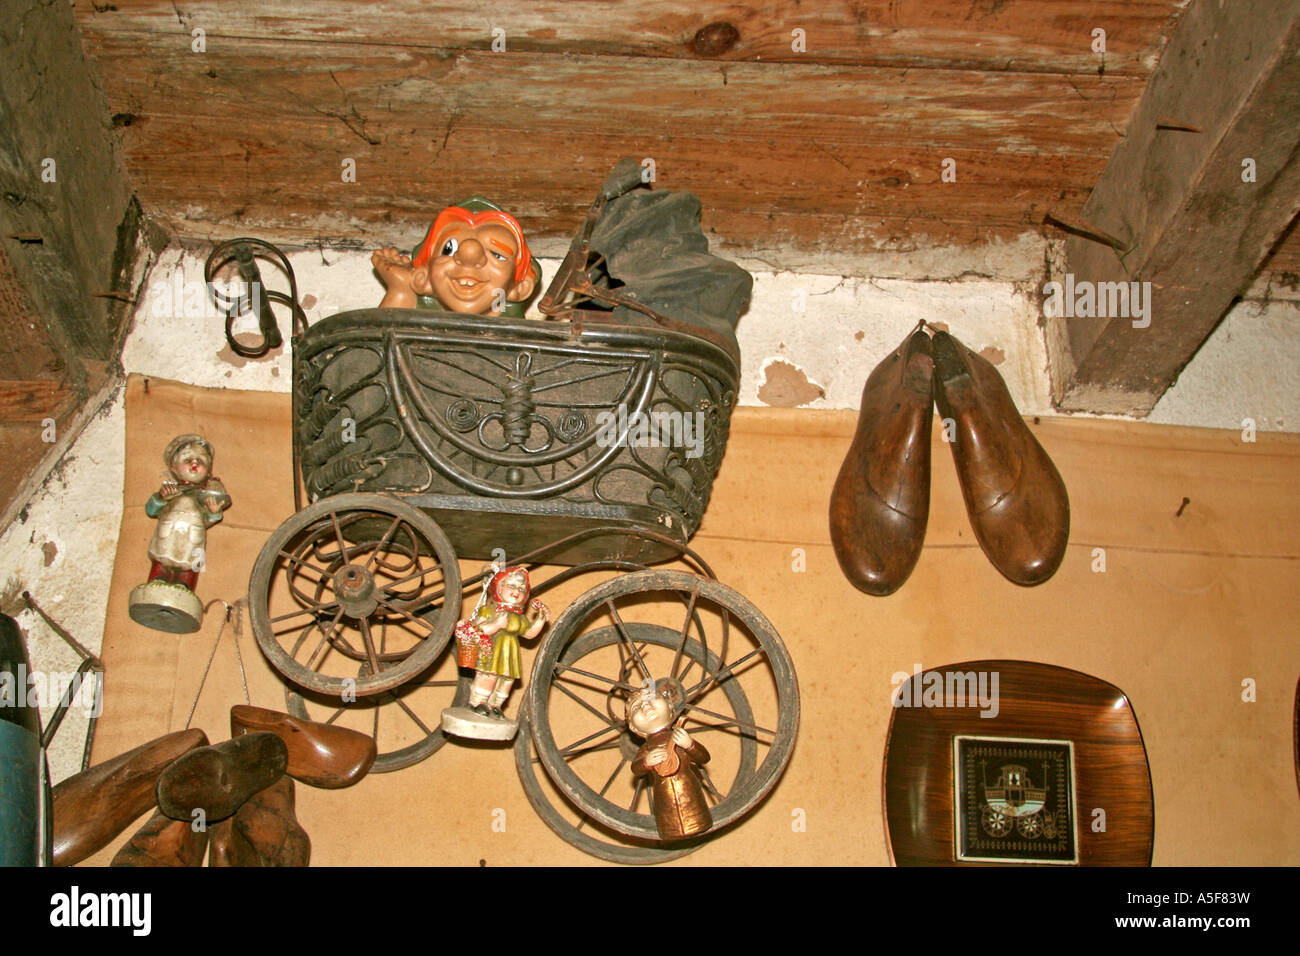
[{"x": 590, "y": 441}]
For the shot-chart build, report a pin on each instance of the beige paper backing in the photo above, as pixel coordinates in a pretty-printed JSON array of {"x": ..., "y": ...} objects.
[{"x": 1186, "y": 610}]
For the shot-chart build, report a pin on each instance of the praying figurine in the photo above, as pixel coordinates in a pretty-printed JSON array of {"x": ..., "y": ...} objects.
[
  {"x": 488, "y": 642},
  {"x": 474, "y": 261},
  {"x": 667, "y": 762},
  {"x": 188, "y": 503}
]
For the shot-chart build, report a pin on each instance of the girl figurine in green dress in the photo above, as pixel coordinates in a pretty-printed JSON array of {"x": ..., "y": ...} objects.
[{"x": 488, "y": 641}]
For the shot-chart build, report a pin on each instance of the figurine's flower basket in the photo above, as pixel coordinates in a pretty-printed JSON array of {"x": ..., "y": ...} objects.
[{"x": 471, "y": 642}]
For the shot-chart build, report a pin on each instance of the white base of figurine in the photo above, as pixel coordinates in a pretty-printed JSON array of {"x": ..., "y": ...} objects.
[
  {"x": 173, "y": 608},
  {"x": 463, "y": 722}
]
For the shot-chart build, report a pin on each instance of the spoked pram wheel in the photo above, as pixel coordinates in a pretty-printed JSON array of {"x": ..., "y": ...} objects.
[
  {"x": 720, "y": 658},
  {"x": 354, "y": 595},
  {"x": 572, "y": 825}
]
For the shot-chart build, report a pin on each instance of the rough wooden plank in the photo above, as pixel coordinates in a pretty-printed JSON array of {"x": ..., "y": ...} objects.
[
  {"x": 517, "y": 95},
  {"x": 285, "y": 178},
  {"x": 845, "y": 158},
  {"x": 28, "y": 401},
  {"x": 1177, "y": 203},
  {"x": 1284, "y": 261},
  {"x": 21, "y": 450},
  {"x": 26, "y": 461},
  {"x": 1004, "y": 35},
  {"x": 25, "y": 349},
  {"x": 61, "y": 178}
]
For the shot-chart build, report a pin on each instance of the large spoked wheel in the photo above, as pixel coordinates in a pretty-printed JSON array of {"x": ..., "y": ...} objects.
[
  {"x": 557, "y": 812},
  {"x": 724, "y": 663},
  {"x": 354, "y": 595}
]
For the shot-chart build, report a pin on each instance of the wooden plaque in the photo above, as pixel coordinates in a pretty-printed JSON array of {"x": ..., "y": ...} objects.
[{"x": 1014, "y": 762}]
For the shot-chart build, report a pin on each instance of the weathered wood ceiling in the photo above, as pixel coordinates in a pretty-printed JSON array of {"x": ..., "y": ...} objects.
[
  {"x": 835, "y": 150},
  {"x": 1203, "y": 186}
]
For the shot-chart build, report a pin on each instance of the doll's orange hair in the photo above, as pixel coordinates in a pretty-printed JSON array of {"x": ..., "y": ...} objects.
[{"x": 523, "y": 262}]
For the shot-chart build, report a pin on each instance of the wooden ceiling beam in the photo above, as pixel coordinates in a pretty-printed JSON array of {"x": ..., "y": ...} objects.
[
  {"x": 68, "y": 220},
  {"x": 797, "y": 163},
  {"x": 1193, "y": 200},
  {"x": 1034, "y": 36}
]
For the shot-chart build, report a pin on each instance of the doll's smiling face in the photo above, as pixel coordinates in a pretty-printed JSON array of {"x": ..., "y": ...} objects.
[
  {"x": 190, "y": 466},
  {"x": 512, "y": 591},
  {"x": 649, "y": 715},
  {"x": 473, "y": 267}
]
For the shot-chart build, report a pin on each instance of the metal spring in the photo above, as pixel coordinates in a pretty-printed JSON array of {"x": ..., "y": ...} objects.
[
  {"x": 712, "y": 444},
  {"x": 716, "y": 440},
  {"x": 517, "y": 408},
  {"x": 320, "y": 416},
  {"x": 668, "y": 502},
  {"x": 305, "y": 392},
  {"x": 325, "y": 449},
  {"x": 364, "y": 441},
  {"x": 336, "y": 472},
  {"x": 307, "y": 376},
  {"x": 681, "y": 488}
]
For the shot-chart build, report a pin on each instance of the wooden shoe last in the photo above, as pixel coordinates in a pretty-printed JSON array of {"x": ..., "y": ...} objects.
[
  {"x": 219, "y": 779},
  {"x": 93, "y": 807},
  {"x": 320, "y": 755},
  {"x": 1015, "y": 497},
  {"x": 880, "y": 504}
]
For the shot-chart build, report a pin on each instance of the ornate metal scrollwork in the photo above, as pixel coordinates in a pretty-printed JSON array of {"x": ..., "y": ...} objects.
[
  {"x": 517, "y": 411},
  {"x": 518, "y": 415},
  {"x": 571, "y": 426},
  {"x": 447, "y": 407},
  {"x": 463, "y": 415}
]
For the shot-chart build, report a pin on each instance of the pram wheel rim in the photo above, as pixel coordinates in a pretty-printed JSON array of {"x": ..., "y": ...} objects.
[
  {"x": 747, "y": 792},
  {"x": 309, "y": 522}
]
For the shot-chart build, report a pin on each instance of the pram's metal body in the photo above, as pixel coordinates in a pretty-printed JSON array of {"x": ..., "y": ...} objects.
[{"x": 509, "y": 428}]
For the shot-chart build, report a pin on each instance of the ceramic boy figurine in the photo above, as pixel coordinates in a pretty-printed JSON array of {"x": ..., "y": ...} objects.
[
  {"x": 667, "y": 760},
  {"x": 474, "y": 261},
  {"x": 186, "y": 505},
  {"x": 488, "y": 641}
]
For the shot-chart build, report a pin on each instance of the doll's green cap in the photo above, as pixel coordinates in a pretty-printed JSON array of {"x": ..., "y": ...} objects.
[{"x": 477, "y": 203}]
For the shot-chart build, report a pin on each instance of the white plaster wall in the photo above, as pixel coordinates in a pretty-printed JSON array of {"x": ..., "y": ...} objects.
[
  {"x": 845, "y": 327},
  {"x": 848, "y": 325},
  {"x": 832, "y": 328},
  {"x": 1248, "y": 369},
  {"x": 61, "y": 549}
]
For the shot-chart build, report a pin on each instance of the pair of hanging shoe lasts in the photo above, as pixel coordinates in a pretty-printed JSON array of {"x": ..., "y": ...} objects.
[
  {"x": 243, "y": 786},
  {"x": 880, "y": 505}
]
